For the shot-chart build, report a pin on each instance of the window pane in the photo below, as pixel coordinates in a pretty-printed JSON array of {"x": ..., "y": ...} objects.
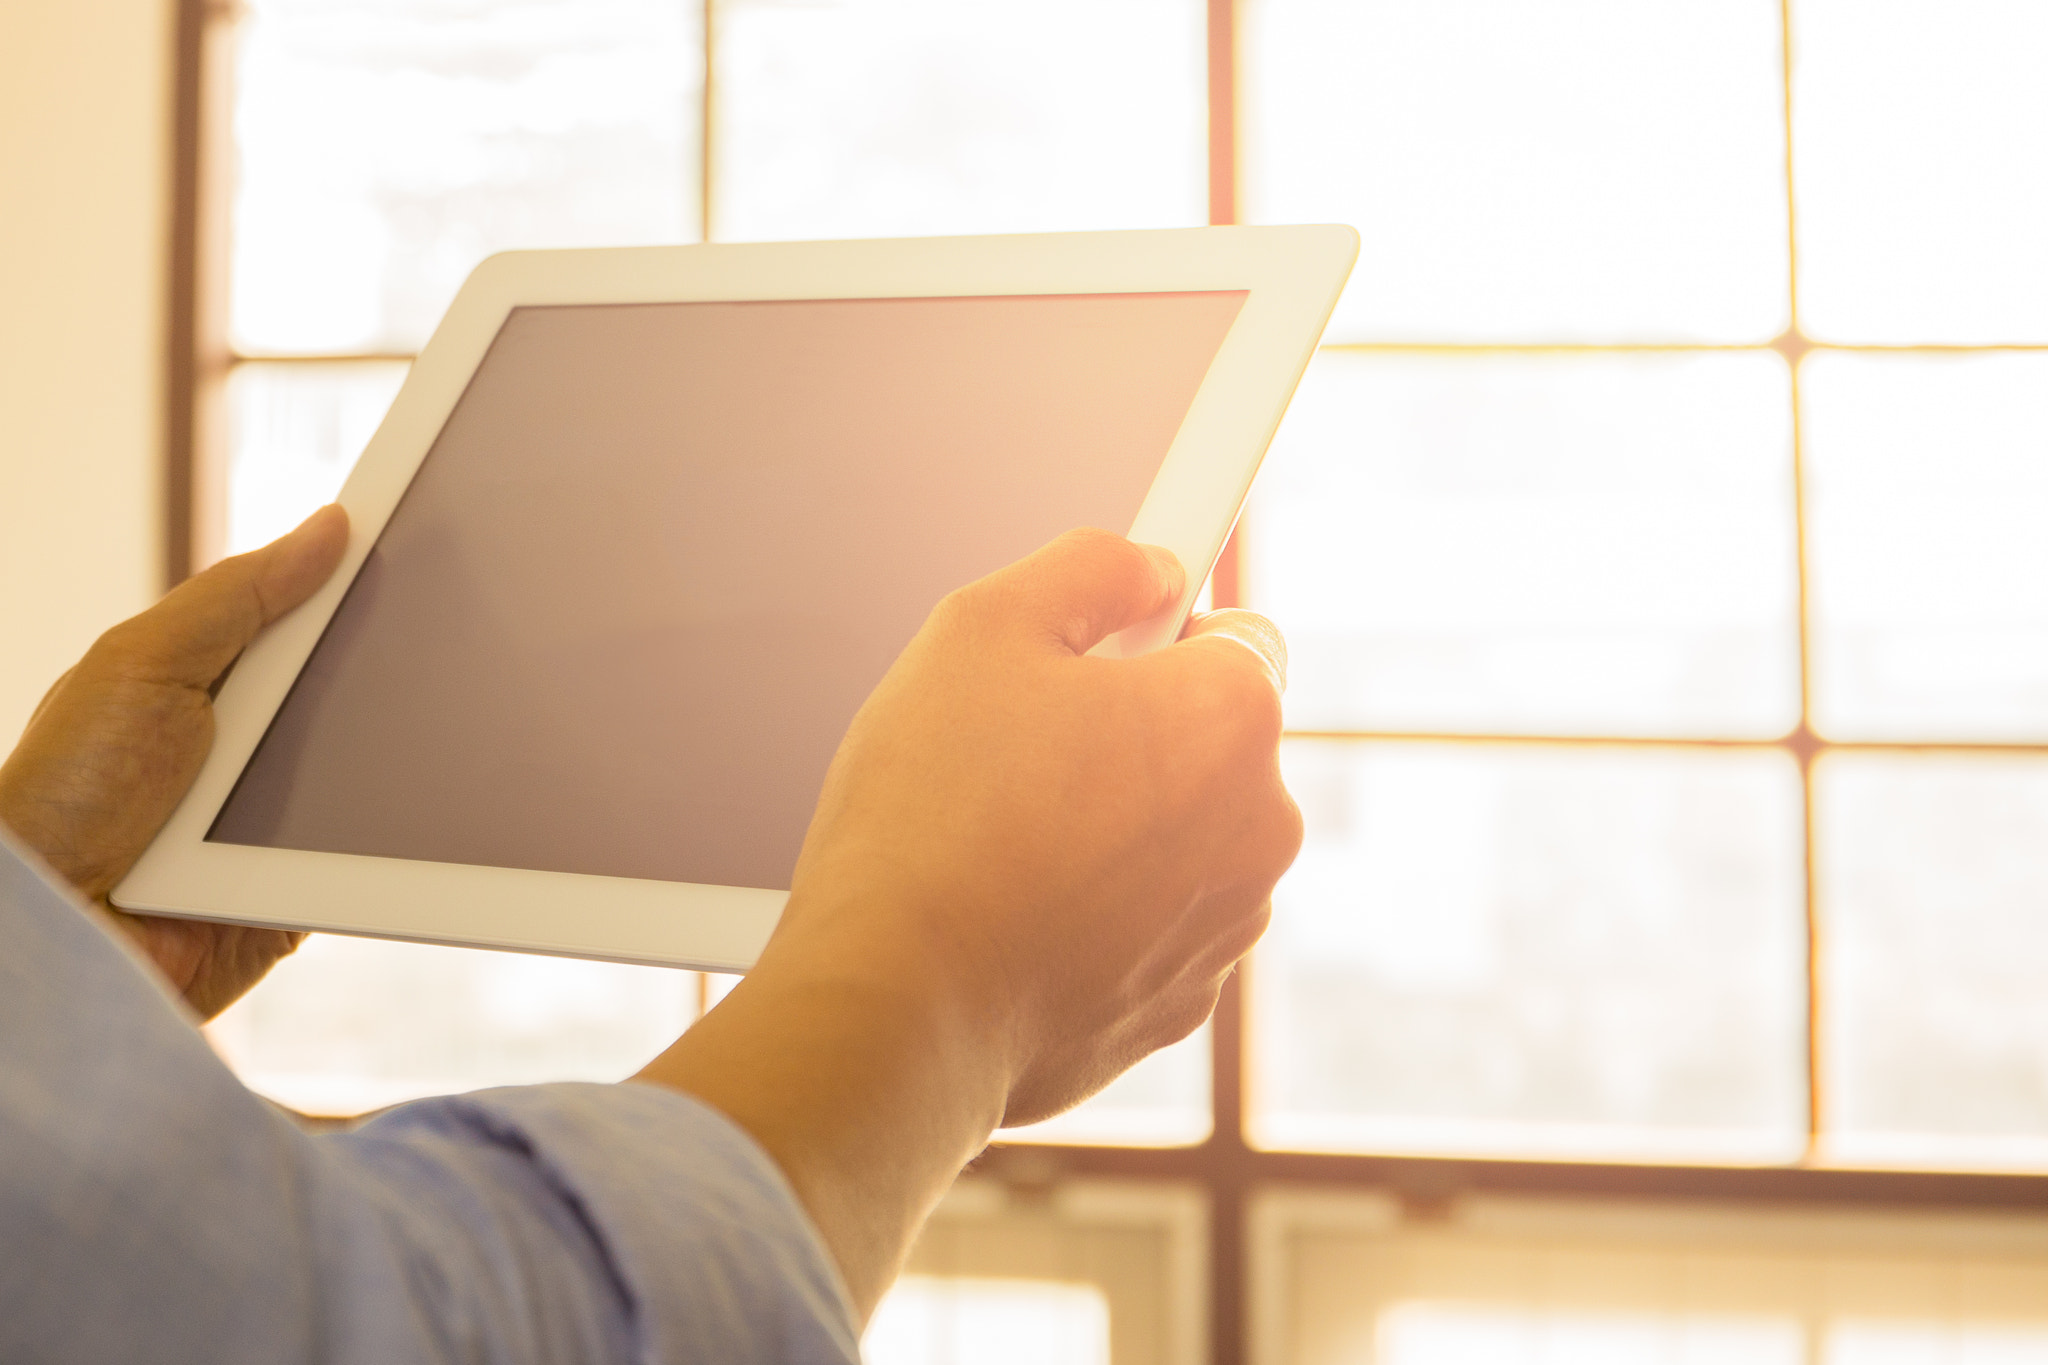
[
  {"x": 875, "y": 118},
  {"x": 1604, "y": 170},
  {"x": 386, "y": 146},
  {"x": 294, "y": 432},
  {"x": 1536, "y": 952},
  {"x": 1466, "y": 1334},
  {"x": 1092, "y": 1270},
  {"x": 1163, "y": 1101},
  {"x": 933, "y": 1320},
  {"x": 1922, "y": 163},
  {"x": 1343, "y": 1278},
  {"x": 346, "y": 1025},
  {"x": 1927, "y": 489},
  {"x": 1881, "y": 1341},
  {"x": 1599, "y": 545},
  {"x": 1933, "y": 874}
]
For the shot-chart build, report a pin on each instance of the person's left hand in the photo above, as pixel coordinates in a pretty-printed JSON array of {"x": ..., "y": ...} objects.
[{"x": 112, "y": 748}]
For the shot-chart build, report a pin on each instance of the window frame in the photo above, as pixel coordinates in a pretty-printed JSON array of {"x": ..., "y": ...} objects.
[{"x": 198, "y": 361}]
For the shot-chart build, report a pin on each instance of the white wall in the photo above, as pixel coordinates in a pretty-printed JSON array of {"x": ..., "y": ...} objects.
[{"x": 84, "y": 171}]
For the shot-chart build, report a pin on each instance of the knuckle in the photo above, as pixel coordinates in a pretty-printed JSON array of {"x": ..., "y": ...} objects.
[
  {"x": 1248, "y": 930},
  {"x": 966, "y": 607},
  {"x": 1260, "y": 920},
  {"x": 1090, "y": 540},
  {"x": 1269, "y": 832},
  {"x": 1181, "y": 1012},
  {"x": 1105, "y": 553},
  {"x": 954, "y": 605},
  {"x": 1248, "y": 910},
  {"x": 120, "y": 650},
  {"x": 1244, "y": 706},
  {"x": 1263, "y": 715},
  {"x": 1224, "y": 732},
  {"x": 1289, "y": 829}
]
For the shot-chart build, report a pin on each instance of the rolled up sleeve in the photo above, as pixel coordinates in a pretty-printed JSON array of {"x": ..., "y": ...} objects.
[
  {"x": 151, "y": 1208},
  {"x": 674, "y": 1229}
]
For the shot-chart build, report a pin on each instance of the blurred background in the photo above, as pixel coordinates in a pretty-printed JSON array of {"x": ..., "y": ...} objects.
[{"x": 1658, "y": 534}]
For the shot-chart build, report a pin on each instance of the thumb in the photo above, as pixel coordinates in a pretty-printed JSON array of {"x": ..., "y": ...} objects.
[
  {"x": 190, "y": 637},
  {"x": 1087, "y": 585}
]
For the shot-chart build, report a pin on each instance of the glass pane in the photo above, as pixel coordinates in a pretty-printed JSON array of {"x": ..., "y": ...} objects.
[
  {"x": 933, "y": 1320},
  {"x": 1880, "y": 1341},
  {"x": 346, "y": 1025},
  {"x": 384, "y": 147},
  {"x": 1092, "y": 1269},
  {"x": 1933, "y": 873},
  {"x": 1163, "y": 1101},
  {"x": 1604, "y": 170},
  {"x": 1541, "y": 951},
  {"x": 876, "y": 118},
  {"x": 1499, "y": 1280},
  {"x": 1596, "y": 545},
  {"x": 1922, "y": 160},
  {"x": 1467, "y": 1334},
  {"x": 294, "y": 432},
  {"x": 1927, "y": 488}
]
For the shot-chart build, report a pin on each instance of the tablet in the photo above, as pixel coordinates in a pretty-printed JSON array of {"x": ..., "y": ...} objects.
[{"x": 645, "y": 526}]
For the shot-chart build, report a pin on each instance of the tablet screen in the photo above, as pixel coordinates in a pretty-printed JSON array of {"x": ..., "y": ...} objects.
[{"x": 660, "y": 554}]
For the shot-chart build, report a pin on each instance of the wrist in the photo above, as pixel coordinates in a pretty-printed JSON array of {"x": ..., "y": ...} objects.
[
  {"x": 865, "y": 1068},
  {"x": 924, "y": 1014},
  {"x": 878, "y": 915}
]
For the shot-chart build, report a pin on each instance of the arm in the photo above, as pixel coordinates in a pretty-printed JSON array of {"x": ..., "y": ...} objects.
[
  {"x": 154, "y": 1209},
  {"x": 151, "y": 1209},
  {"x": 1028, "y": 869}
]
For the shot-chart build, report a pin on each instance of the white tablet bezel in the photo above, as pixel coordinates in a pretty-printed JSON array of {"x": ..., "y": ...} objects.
[{"x": 1292, "y": 274}]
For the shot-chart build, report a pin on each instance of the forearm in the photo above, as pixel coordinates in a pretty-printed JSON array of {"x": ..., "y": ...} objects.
[
  {"x": 870, "y": 1094},
  {"x": 1027, "y": 868}
]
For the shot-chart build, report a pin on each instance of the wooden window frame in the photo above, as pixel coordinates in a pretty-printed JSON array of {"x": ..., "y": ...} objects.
[{"x": 198, "y": 360}]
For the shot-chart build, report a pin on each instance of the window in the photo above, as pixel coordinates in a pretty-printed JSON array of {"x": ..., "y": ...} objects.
[
  {"x": 926, "y": 1320},
  {"x": 1085, "y": 1273},
  {"x": 1522, "y": 1281},
  {"x": 1656, "y": 536},
  {"x": 383, "y": 147},
  {"x": 1653, "y": 534}
]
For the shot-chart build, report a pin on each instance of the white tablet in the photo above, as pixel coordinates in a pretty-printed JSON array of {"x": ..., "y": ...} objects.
[{"x": 645, "y": 526}]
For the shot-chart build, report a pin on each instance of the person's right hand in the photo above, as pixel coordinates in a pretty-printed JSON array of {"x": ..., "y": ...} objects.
[
  {"x": 1028, "y": 868},
  {"x": 1084, "y": 846}
]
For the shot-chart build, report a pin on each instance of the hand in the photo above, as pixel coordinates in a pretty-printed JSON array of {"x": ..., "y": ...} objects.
[
  {"x": 1084, "y": 846},
  {"x": 111, "y": 750},
  {"x": 1028, "y": 869}
]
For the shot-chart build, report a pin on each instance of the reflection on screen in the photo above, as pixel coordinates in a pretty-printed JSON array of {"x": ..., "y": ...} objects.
[{"x": 661, "y": 553}]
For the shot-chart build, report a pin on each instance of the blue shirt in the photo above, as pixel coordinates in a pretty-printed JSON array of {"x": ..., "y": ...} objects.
[{"x": 152, "y": 1209}]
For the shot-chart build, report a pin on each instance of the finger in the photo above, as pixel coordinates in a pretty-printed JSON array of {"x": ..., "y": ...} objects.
[
  {"x": 51, "y": 695},
  {"x": 1241, "y": 630},
  {"x": 1089, "y": 584},
  {"x": 190, "y": 637}
]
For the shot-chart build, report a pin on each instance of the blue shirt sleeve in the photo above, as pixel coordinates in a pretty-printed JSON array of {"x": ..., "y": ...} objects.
[{"x": 151, "y": 1208}]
